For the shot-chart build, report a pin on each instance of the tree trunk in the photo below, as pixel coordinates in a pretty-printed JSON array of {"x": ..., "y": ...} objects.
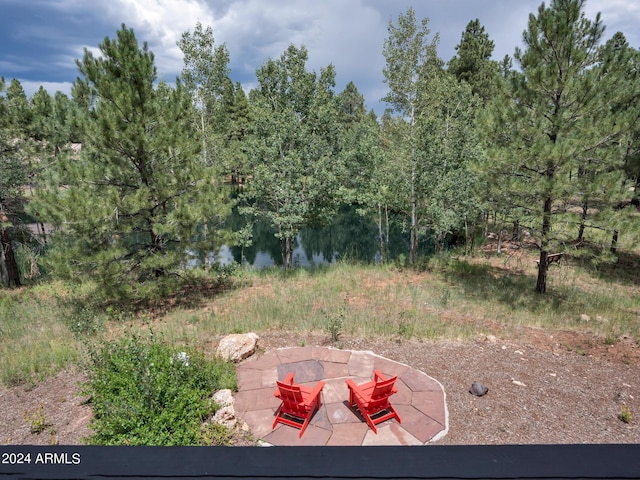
[
  {"x": 541, "y": 283},
  {"x": 386, "y": 240},
  {"x": 380, "y": 235},
  {"x": 485, "y": 223},
  {"x": 614, "y": 242},
  {"x": 466, "y": 236},
  {"x": 10, "y": 264},
  {"x": 583, "y": 218},
  {"x": 158, "y": 248},
  {"x": 413, "y": 246},
  {"x": 286, "y": 249},
  {"x": 289, "y": 244}
]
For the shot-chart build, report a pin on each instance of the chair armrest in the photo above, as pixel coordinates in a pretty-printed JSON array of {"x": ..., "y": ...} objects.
[
  {"x": 351, "y": 385},
  {"x": 288, "y": 379},
  {"x": 317, "y": 389},
  {"x": 377, "y": 375}
]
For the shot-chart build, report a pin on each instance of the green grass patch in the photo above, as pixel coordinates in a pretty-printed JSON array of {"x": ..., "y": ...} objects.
[{"x": 35, "y": 341}]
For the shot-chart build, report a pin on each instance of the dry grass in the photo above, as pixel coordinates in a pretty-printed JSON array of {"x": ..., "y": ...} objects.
[{"x": 450, "y": 298}]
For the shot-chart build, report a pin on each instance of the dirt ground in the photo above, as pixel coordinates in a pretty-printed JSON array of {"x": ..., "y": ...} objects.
[{"x": 543, "y": 388}]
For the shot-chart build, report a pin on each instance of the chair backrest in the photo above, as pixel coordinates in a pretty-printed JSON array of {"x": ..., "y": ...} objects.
[
  {"x": 292, "y": 400},
  {"x": 381, "y": 393}
]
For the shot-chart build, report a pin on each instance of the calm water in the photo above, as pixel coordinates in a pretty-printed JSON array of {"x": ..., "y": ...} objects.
[{"x": 350, "y": 237}]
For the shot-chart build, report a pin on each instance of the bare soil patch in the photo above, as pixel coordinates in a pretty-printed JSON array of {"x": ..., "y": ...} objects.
[{"x": 544, "y": 388}]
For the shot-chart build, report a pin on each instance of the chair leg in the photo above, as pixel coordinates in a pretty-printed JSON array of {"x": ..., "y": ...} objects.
[
  {"x": 277, "y": 419},
  {"x": 369, "y": 421},
  {"x": 395, "y": 414},
  {"x": 304, "y": 426}
]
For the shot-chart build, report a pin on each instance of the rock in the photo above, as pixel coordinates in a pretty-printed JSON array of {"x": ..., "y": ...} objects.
[
  {"x": 226, "y": 414},
  {"x": 180, "y": 357},
  {"x": 478, "y": 389},
  {"x": 491, "y": 338},
  {"x": 519, "y": 383},
  {"x": 237, "y": 347}
]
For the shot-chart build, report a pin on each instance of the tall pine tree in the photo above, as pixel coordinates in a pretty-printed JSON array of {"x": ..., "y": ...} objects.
[
  {"x": 553, "y": 125},
  {"x": 129, "y": 208}
]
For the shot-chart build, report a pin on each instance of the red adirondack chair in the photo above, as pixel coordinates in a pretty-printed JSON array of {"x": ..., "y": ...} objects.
[
  {"x": 372, "y": 399},
  {"x": 298, "y": 403}
]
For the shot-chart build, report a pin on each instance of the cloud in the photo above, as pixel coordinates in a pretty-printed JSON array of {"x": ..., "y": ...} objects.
[
  {"x": 31, "y": 87},
  {"x": 40, "y": 39}
]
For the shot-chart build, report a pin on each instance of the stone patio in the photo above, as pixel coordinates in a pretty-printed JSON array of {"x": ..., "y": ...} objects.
[{"x": 420, "y": 401}]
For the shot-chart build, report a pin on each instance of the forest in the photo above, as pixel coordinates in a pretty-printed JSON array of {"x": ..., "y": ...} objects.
[{"x": 126, "y": 182}]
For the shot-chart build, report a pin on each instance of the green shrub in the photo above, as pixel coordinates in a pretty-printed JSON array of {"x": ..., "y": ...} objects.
[
  {"x": 625, "y": 414},
  {"x": 144, "y": 392}
]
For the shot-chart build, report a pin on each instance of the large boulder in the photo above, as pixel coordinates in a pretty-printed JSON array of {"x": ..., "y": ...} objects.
[{"x": 237, "y": 347}]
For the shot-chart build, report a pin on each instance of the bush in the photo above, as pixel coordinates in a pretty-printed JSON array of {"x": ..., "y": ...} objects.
[{"x": 144, "y": 392}]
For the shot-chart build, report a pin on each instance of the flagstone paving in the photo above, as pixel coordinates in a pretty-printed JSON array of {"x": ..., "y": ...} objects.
[{"x": 420, "y": 401}]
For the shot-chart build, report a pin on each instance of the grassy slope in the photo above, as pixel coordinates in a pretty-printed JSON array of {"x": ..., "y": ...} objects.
[{"x": 450, "y": 298}]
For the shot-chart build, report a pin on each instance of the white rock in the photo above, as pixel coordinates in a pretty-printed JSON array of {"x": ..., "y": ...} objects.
[
  {"x": 223, "y": 398},
  {"x": 237, "y": 347},
  {"x": 226, "y": 414}
]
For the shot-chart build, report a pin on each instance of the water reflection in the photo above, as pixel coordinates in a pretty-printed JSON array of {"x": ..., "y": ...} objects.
[{"x": 350, "y": 237}]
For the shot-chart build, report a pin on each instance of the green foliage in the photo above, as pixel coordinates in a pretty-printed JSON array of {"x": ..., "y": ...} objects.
[
  {"x": 144, "y": 392},
  {"x": 335, "y": 325},
  {"x": 37, "y": 420},
  {"x": 625, "y": 414},
  {"x": 128, "y": 209},
  {"x": 83, "y": 320},
  {"x": 295, "y": 172},
  {"x": 553, "y": 136},
  {"x": 206, "y": 77},
  {"x": 473, "y": 63},
  {"x": 214, "y": 434}
]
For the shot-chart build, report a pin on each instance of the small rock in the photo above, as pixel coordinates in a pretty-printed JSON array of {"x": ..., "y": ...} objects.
[
  {"x": 519, "y": 383},
  {"x": 478, "y": 389},
  {"x": 225, "y": 415}
]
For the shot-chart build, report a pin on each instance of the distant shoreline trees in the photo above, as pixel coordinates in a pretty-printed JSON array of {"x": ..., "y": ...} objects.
[{"x": 550, "y": 147}]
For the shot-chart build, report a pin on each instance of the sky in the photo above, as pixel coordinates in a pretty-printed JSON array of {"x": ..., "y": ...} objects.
[{"x": 41, "y": 39}]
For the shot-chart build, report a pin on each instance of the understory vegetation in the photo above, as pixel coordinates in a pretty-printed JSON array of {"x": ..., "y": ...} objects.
[
  {"x": 48, "y": 327},
  {"x": 145, "y": 392}
]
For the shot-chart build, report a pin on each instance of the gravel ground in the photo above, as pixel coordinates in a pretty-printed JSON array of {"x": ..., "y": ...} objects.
[{"x": 561, "y": 388}]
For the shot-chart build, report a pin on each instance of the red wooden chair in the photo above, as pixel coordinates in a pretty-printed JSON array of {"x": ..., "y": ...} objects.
[
  {"x": 298, "y": 403},
  {"x": 372, "y": 399}
]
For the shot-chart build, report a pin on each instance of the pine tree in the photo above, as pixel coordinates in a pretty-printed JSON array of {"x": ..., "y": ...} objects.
[
  {"x": 12, "y": 178},
  {"x": 473, "y": 63},
  {"x": 129, "y": 207},
  {"x": 553, "y": 125}
]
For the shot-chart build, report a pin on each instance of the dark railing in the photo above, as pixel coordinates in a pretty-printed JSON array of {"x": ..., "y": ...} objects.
[{"x": 422, "y": 462}]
